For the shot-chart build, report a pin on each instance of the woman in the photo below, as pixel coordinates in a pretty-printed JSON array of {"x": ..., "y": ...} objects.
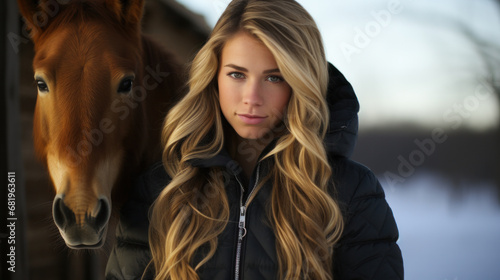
[{"x": 256, "y": 182}]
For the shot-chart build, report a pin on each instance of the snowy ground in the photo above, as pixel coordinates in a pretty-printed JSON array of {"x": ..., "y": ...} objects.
[{"x": 445, "y": 234}]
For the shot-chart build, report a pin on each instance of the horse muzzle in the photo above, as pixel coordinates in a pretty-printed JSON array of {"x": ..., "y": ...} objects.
[{"x": 82, "y": 231}]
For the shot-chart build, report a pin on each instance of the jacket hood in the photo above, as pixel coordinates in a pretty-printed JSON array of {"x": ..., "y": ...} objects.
[{"x": 343, "y": 104}]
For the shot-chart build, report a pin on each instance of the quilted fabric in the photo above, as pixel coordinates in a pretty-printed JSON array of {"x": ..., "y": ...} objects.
[{"x": 368, "y": 248}]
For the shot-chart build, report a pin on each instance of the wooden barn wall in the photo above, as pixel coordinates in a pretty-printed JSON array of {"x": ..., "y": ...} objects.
[{"x": 13, "y": 263}]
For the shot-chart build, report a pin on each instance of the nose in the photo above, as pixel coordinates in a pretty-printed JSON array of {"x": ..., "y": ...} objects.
[{"x": 252, "y": 94}]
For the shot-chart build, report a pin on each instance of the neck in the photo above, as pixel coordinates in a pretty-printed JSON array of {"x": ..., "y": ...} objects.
[{"x": 247, "y": 151}]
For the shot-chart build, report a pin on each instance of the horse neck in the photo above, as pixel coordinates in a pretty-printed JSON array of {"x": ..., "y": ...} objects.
[{"x": 164, "y": 73}]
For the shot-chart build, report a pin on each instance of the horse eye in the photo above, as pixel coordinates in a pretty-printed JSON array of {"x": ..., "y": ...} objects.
[
  {"x": 125, "y": 85},
  {"x": 42, "y": 86}
]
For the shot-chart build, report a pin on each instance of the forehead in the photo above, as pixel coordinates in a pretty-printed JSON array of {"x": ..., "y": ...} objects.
[{"x": 245, "y": 50}]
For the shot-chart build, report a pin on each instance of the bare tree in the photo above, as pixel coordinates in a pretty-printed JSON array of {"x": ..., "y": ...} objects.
[{"x": 487, "y": 50}]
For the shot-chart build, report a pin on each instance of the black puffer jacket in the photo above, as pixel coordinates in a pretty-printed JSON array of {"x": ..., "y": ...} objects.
[{"x": 367, "y": 249}]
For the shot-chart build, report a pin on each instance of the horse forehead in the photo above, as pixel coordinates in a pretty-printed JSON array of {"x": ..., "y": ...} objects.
[{"x": 77, "y": 46}]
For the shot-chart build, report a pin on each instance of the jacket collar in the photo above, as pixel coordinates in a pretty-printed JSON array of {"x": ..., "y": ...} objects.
[{"x": 223, "y": 159}]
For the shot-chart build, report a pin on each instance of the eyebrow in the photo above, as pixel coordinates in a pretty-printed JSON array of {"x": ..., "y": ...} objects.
[{"x": 243, "y": 69}]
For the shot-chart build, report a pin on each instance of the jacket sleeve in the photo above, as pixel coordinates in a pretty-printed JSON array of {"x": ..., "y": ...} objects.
[{"x": 367, "y": 248}]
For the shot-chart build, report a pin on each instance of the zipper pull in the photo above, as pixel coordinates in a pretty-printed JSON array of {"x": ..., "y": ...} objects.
[{"x": 241, "y": 225}]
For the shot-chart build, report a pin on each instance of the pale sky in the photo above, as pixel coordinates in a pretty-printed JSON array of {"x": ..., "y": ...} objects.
[{"x": 405, "y": 59}]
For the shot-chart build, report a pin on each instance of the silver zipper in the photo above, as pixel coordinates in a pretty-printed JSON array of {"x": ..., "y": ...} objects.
[{"x": 241, "y": 224}]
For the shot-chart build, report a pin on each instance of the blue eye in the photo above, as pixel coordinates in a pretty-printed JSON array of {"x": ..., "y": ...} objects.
[
  {"x": 275, "y": 79},
  {"x": 236, "y": 75}
]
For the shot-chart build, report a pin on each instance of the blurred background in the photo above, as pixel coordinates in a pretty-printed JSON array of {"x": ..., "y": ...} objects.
[{"x": 427, "y": 75}]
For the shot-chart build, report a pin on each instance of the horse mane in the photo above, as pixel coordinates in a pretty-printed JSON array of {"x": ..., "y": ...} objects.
[{"x": 156, "y": 56}]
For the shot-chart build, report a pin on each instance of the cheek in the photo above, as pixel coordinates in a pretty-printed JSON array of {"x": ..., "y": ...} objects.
[
  {"x": 280, "y": 102},
  {"x": 227, "y": 97},
  {"x": 225, "y": 106}
]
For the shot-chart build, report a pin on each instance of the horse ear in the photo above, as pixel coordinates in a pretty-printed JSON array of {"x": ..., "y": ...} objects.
[
  {"x": 29, "y": 10},
  {"x": 129, "y": 11},
  {"x": 38, "y": 13}
]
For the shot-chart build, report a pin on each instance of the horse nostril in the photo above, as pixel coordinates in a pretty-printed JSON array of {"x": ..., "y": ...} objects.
[
  {"x": 103, "y": 213},
  {"x": 63, "y": 216}
]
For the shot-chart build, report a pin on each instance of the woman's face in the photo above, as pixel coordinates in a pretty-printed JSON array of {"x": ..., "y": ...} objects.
[{"x": 252, "y": 93}]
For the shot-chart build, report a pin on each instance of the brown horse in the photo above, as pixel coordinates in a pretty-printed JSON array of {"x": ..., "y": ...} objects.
[{"x": 103, "y": 90}]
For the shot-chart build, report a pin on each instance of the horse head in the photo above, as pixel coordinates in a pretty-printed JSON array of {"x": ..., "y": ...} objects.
[{"x": 102, "y": 93}]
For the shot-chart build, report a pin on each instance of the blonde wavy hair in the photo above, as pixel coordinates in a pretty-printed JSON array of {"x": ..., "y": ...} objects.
[{"x": 193, "y": 208}]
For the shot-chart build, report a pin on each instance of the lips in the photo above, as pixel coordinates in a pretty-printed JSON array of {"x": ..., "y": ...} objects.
[{"x": 251, "y": 119}]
